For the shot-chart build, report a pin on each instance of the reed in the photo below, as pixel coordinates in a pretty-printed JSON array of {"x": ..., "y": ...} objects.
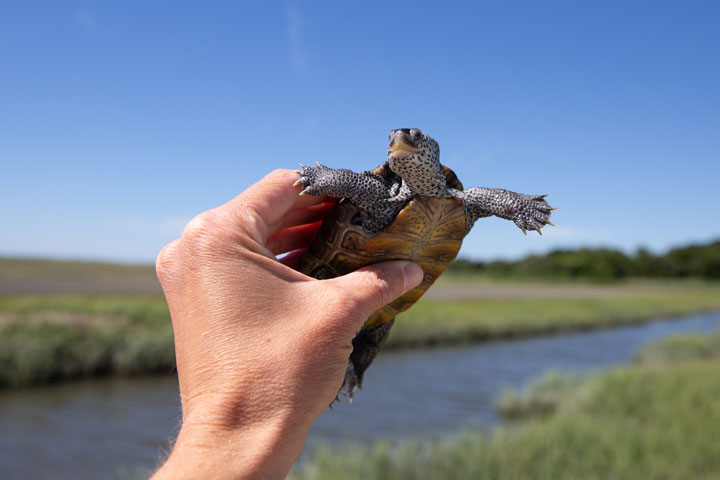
[
  {"x": 643, "y": 421},
  {"x": 51, "y": 338}
]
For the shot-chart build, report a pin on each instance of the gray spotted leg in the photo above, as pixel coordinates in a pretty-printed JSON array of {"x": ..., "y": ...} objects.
[
  {"x": 366, "y": 345},
  {"x": 379, "y": 199},
  {"x": 363, "y": 189},
  {"x": 529, "y": 212}
]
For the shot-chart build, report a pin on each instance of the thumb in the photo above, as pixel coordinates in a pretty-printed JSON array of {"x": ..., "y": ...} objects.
[{"x": 375, "y": 286}]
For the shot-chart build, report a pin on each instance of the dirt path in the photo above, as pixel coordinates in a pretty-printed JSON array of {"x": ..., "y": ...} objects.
[
  {"x": 42, "y": 277},
  {"x": 45, "y": 277}
]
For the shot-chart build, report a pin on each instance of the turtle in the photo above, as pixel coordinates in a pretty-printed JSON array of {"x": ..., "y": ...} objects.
[{"x": 412, "y": 208}]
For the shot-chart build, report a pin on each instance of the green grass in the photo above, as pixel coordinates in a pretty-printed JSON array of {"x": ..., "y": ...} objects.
[
  {"x": 432, "y": 322},
  {"x": 680, "y": 348},
  {"x": 549, "y": 392},
  {"x": 458, "y": 277},
  {"x": 649, "y": 421},
  {"x": 114, "y": 336},
  {"x": 150, "y": 308},
  {"x": 50, "y": 338},
  {"x": 541, "y": 397}
]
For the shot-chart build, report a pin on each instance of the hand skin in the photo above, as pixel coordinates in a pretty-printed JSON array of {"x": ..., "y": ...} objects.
[{"x": 261, "y": 349}]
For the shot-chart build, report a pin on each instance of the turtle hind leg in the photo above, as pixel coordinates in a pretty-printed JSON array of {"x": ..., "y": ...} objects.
[{"x": 366, "y": 345}]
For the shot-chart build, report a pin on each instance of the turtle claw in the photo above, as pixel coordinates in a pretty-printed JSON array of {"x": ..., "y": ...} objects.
[
  {"x": 532, "y": 213},
  {"x": 303, "y": 166},
  {"x": 297, "y": 182},
  {"x": 318, "y": 180}
]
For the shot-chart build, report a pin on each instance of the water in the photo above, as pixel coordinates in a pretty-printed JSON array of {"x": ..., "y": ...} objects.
[{"x": 93, "y": 429}]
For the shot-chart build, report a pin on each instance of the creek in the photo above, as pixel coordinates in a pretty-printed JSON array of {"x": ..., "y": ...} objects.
[{"x": 100, "y": 428}]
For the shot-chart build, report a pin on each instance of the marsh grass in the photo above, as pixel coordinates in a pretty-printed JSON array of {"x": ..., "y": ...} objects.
[
  {"x": 681, "y": 348},
  {"x": 555, "y": 390},
  {"x": 541, "y": 397},
  {"x": 432, "y": 322},
  {"x": 50, "y": 338},
  {"x": 133, "y": 337},
  {"x": 649, "y": 421}
]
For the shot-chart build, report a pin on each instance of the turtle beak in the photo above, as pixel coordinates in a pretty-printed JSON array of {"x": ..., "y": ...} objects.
[{"x": 401, "y": 145}]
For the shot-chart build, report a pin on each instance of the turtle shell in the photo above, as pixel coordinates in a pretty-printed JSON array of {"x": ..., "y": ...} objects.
[{"x": 428, "y": 231}]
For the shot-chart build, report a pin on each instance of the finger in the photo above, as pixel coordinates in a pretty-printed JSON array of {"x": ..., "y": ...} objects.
[
  {"x": 269, "y": 200},
  {"x": 301, "y": 216},
  {"x": 377, "y": 285},
  {"x": 291, "y": 259},
  {"x": 309, "y": 200},
  {"x": 292, "y": 238}
]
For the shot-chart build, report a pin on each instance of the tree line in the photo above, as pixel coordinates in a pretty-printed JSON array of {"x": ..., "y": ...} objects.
[{"x": 605, "y": 264}]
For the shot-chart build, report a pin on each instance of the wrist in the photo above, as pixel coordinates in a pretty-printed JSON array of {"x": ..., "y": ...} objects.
[{"x": 264, "y": 449}]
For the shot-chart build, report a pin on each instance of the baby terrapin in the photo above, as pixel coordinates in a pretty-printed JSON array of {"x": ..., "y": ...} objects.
[{"x": 409, "y": 208}]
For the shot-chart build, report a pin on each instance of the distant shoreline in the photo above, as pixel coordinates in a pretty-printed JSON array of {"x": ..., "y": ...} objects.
[{"x": 23, "y": 276}]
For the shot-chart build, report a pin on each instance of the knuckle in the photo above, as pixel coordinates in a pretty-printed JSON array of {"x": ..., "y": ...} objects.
[
  {"x": 201, "y": 233},
  {"x": 165, "y": 262},
  {"x": 385, "y": 292},
  {"x": 196, "y": 226},
  {"x": 249, "y": 222},
  {"x": 284, "y": 174},
  {"x": 380, "y": 287}
]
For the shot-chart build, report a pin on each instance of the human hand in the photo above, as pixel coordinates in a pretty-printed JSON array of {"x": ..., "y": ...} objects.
[{"x": 261, "y": 349}]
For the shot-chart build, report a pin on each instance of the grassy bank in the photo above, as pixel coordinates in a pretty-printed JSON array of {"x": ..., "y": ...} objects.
[
  {"x": 657, "y": 419},
  {"x": 48, "y": 338},
  {"x": 554, "y": 390},
  {"x": 432, "y": 322},
  {"x": 44, "y": 339}
]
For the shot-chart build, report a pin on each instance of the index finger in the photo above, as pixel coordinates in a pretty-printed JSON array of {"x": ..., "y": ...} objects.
[{"x": 271, "y": 198}]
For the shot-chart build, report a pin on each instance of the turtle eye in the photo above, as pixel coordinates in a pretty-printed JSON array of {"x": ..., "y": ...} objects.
[{"x": 415, "y": 132}]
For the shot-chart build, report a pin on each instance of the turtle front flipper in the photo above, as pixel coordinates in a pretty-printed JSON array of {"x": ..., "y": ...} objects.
[{"x": 366, "y": 345}]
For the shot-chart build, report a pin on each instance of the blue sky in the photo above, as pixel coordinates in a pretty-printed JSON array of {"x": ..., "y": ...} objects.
[{"x": 120, "y": 121}]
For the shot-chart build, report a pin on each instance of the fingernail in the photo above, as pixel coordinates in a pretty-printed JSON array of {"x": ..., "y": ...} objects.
[{"x": 412, "y": 276}]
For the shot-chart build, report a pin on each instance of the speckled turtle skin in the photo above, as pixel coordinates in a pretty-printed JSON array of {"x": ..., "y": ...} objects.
[{"x": 409, "y": 208}]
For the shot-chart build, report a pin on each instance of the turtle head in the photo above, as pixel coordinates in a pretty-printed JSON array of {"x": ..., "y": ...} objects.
[{"x": 416, "y": 158}]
